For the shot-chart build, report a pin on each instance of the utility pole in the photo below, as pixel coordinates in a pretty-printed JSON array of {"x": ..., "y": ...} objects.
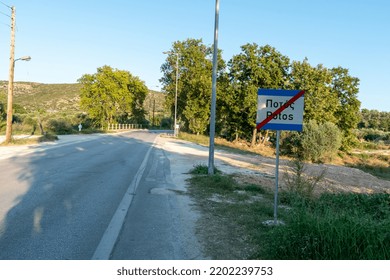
[
  {"x": 175, "y": 131},
  {"x": 8, "y": 132}
]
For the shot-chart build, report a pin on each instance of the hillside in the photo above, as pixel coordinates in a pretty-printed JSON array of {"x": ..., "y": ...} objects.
[
  {"x": 51, "y": 98},
  {"x": 64, "y": 99}
]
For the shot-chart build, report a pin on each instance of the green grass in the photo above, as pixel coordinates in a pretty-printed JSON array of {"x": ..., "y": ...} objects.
[
  {"x": 334, "y": 227},
  {"x": 200, "y": 169},
  {"x": 327, "y": 227}
]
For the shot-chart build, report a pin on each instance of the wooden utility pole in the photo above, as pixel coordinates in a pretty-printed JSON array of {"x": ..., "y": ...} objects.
[{"x": 8, "y": 133}]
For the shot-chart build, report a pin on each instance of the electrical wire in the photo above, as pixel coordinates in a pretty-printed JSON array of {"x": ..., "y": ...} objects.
[
  {"x": 1, "y": 2},
  {"x": 5, "y": 14}
]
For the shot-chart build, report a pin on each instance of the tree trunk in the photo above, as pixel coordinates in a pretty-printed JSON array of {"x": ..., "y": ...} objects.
[
  {"x": 254, "y": 135},
  {"x": 265, "y": 137},
  {"x": 40, "y": 124}
]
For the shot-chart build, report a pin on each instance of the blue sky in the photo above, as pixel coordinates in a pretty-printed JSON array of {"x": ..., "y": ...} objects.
[{"x": 67, "y": 39}]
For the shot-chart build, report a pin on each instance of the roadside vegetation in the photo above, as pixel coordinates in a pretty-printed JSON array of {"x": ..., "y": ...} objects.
[{"x": 237, "y": 221}]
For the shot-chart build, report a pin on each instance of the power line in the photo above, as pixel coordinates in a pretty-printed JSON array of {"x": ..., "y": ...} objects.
[
  {"x": 1, "y": 2},
  {"x": 6, "y": 24},
  {"x": 5, "y": 14},
  {"x": 1, "y": 13}
]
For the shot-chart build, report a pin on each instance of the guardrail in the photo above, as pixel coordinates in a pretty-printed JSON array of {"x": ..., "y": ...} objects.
[{"x": 124, "y": 126}]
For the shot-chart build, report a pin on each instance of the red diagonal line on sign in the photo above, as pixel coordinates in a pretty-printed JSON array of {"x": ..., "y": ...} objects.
[{"x": 279, "y": 110}]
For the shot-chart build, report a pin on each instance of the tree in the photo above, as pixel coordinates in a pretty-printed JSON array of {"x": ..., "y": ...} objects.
[
  {"x": 320, "y": 101},
  {"x": 330, "y": 96},
  {"x": 375, "y": 120},
  {"x": 194, "y": 83},
  {"x": 255, "y": 67},
  {"x": 347, "y": 108},
  {"x": 112, "y": 95}
]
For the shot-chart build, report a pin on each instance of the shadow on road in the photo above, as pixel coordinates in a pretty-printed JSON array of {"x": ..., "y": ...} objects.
[{"x": 57, "y": 202}]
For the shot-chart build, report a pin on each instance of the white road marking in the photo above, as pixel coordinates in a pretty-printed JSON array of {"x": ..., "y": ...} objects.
[{"x": 107, "y": 243}]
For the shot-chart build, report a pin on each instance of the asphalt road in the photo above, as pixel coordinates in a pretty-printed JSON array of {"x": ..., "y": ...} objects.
[{"x": 97, "y": 198}]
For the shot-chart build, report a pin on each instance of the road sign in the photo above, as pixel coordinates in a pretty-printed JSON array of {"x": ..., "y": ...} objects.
[{"x": 280, "y": 109}]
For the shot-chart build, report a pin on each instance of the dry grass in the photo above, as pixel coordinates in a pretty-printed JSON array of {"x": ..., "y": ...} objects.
[
  {"x": 31, "y": 140},
  {"x": 236, "y": 146},
  {"x": 377, "y": 164}
]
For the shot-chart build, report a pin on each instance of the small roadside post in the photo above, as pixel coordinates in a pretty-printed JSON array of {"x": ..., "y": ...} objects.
[{"x": 279, "y": 110}]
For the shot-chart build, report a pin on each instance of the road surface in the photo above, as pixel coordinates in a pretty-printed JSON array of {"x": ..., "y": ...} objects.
[{"x": 98, "y": 197}]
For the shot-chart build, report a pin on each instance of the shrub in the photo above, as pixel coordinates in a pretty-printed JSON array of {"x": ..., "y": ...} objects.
[
  {"x": 300, "y": 185},
  {"x": 166, "y": 123},
  {"x": 373, "y": 135},
  {"x": 60, "y": 126},
  {"x": 320, "y": 142},
  {"x": 317, "y": 142},
  {"x": 200, "y": 169}
]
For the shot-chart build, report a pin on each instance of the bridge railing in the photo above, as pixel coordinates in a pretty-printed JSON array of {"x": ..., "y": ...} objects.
[{"x": 124, "y": 126}]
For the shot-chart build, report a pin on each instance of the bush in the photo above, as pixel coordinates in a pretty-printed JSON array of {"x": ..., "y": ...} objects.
[
  {"x": 166, "y": 123},
  {"x": 373, "y": 135},
  {"x": 59, "y": 127},
  {"x": 317, "y": 142},
  {"x": 320, "y": 142},
  {"x": 3, "y": 112}
]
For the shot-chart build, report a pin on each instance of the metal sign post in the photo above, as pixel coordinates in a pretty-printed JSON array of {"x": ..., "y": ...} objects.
[
  {"x": 279, "y": 110},
  {"x": 276, "y": 178}
]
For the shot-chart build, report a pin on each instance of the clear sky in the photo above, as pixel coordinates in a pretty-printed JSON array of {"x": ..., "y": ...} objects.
[{"x": 69, "y": 38}]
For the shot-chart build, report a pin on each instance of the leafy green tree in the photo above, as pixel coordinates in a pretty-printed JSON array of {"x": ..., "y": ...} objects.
[
  {"x": 375, "y": 120},
  {"x": 194, "y": 83},
  {"x": 320, "y": 101},
  {"x": 330, "y": 96},
  {"x": 112, "y": 95},
  {"x": 255, "y": 67},
  {"x": 348, "y": 106}
]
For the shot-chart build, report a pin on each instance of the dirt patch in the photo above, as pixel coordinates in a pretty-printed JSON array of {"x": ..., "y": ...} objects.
[
  {"x": 261, "y": 170},
  {"x": 258, "y": 169}
]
